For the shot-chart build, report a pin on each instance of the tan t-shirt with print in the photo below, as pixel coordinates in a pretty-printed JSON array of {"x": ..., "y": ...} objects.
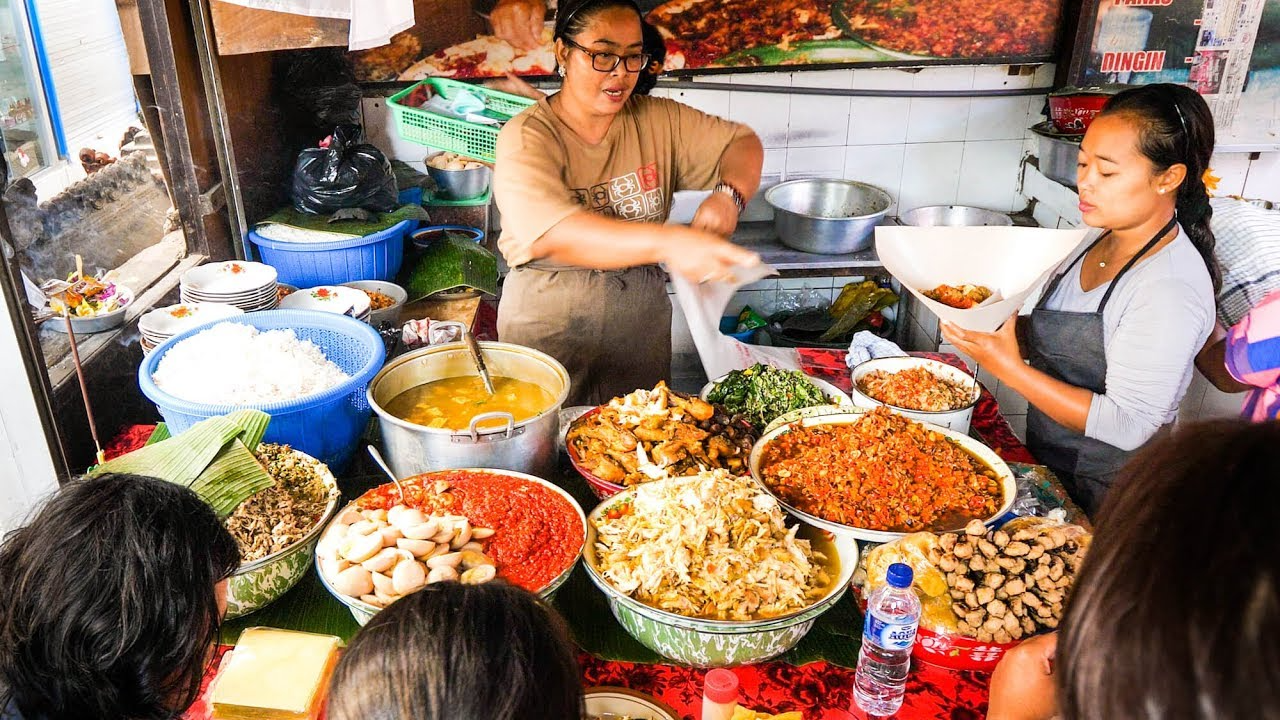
[{"x": 545, "y": 172}]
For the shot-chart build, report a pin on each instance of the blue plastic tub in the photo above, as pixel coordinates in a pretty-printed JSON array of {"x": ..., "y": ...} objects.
[
  {"x": 729, "y": 323},
  {"x": 327, "y": 426},
  {"x": 372, "y": 257}
]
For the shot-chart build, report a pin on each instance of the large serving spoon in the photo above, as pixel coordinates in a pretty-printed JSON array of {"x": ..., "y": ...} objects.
[
  {"x": 474, "y": 348},
  {"x": 377, "y": 458}
]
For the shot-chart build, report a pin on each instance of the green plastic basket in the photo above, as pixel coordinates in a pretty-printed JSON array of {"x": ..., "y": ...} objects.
[{"x": 446, "y": 133}]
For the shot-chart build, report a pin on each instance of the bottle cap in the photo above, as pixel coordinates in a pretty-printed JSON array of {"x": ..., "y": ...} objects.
[
  {"x": 900, "y": 575},
  {"x": 721, "y": 686}
]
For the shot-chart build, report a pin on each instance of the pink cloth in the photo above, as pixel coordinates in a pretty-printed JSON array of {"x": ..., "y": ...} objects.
[{"x": 1253, "y": 358}]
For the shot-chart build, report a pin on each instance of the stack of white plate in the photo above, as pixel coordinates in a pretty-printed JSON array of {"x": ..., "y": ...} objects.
[
  {"x": 330, "y": 298},
  {"x": 163, "y": 323},
  {"x": 249, "y": 286}
]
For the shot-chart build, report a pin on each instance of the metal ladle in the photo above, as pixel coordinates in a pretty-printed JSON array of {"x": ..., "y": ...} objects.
[
  {"x": 474, "y": 348},
  {"x": 377, "y": 458}
]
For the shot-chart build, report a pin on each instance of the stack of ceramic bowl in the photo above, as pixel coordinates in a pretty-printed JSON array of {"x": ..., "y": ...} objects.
[
  {"x": 163, "y": 323},
  {"x": 330, "y": 298},
  {"x": 249, "y": 286}
]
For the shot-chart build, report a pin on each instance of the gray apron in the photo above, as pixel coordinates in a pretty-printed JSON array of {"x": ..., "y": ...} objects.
[{"x": 1071, "y": 347}]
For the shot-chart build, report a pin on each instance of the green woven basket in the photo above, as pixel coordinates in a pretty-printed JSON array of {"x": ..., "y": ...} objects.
[{"x": 446, "y": 133}]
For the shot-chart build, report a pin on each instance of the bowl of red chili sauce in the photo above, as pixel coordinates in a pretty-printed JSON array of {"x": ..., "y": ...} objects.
[{"x": 539, "y": 529}]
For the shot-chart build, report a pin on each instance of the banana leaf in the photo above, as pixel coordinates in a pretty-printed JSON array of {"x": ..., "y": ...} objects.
[
  {"x": 214, "y": 458},
  {"x": 854, "y": 304},
  {"x": 451, "y": 262}
]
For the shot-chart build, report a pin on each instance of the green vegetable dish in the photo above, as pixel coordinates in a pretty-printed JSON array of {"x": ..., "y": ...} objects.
[{"x": 761, "y": 393}]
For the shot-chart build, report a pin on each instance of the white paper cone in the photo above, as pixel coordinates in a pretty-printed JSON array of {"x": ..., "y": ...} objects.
[{"x": 1012, "y": 261}]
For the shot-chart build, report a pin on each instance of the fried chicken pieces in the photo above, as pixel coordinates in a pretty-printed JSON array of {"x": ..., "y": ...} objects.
[{"x": 658, "y": 433}]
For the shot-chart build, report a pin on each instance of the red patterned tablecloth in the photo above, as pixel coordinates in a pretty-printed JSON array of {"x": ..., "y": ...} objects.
[{"x": 819, "y": 690}]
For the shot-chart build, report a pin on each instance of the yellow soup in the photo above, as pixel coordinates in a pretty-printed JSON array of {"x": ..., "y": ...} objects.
[{"x": 450, "y": 403}]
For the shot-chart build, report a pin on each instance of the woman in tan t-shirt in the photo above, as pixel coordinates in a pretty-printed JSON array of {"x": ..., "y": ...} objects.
[{"x": 584, "y": 182}]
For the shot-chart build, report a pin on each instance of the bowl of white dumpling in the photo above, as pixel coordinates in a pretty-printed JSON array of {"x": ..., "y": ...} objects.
[{"x": 457, "y": 176}]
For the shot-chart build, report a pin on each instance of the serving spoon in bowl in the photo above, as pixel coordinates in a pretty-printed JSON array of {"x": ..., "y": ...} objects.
[{"x": 377, "y": 458}]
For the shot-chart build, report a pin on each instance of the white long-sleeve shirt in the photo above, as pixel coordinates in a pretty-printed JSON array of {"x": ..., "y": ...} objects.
[{"x": 1158, "y": 318}]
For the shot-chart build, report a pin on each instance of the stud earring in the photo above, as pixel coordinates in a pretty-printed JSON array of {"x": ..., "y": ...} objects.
[{"x": 560, "y": 71}]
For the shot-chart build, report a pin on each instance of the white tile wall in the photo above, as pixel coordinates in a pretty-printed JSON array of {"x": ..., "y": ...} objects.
[
  {"x": 938, "y": 119},
  {"x": 1233, "y": 169},
  {"x": 879, "y": 165},
  {"x": 1264, "y": 178},
  {"x": 878, "y": 121},
  {"x": 983, "y": 164},
  {"x": 930, "y": 174},
  {"x": 825, "y": 162}
]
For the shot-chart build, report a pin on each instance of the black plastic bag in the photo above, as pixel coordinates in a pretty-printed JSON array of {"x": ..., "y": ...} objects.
[{"x": 347, "y": 174}]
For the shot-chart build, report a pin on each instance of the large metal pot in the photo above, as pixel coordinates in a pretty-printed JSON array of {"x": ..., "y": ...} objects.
[
  {"x": 954, "y": 216},
  {"x": 829, "y": 217},
  {"x": 528, "y": 446},
  {"x": 1058, "y": 154}
]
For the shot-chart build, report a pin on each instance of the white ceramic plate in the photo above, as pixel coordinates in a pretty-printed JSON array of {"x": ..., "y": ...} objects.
[
  {"x": 329, "y": 298},
  {"x": 623, "y": 701},
  {"x": 229, "y": 278},
  {"x": 975, "y": 448},
  {"x": 166, "y": 322}
]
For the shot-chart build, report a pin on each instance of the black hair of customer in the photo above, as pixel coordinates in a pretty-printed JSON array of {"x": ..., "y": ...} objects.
[
  {"x": 460, "y": 652},
  {"x": 107, "y": 602},
  {"x": 1176, "y": 126},
  {"x": 656, "y": 48},
  {"x": 1176, "y": 611}
]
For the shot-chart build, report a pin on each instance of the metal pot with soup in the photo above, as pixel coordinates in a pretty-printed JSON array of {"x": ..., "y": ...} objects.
[{"x": 434, "y": 412}]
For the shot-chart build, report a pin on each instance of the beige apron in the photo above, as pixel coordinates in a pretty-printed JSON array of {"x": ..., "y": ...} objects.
[{"x": 611, "y": 329}]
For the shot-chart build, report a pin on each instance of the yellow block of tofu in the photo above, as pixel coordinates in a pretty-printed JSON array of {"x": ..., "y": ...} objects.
[
  {"x": 741, "y": 713},
  {"x": 275, "y": 675}
]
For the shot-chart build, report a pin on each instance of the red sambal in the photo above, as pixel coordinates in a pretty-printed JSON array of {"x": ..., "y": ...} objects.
[{"x": 537, "y": 533}]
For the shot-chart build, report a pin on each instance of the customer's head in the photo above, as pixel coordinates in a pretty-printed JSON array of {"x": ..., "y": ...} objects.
[
  {"x": 111, "y": 599},
  {"x": 1145, "y": 155},
  {"x": 1176, "y": 612},
  {"x": 600, "y": 49},
  {"x": 459, "y": 652}
]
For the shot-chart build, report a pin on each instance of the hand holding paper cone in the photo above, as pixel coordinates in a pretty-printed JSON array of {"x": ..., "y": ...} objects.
[{"x": 1009, "y": 261}]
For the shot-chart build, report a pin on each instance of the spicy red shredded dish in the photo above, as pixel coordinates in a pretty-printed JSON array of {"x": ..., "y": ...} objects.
[
  {"x": 537, "y": 533},
  {"x": 883, "y": 472}
]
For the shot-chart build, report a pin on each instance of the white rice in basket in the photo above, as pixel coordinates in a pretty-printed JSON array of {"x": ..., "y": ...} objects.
[{"x": 236, "y": 364}]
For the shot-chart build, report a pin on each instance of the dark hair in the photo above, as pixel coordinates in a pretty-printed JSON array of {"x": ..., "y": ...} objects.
[
  {"x": 1176, "y": 611},
  {"x": 459, "y": 652},
  {"x": 1175, "y": 126},
  {"x": 573, "y": 16},
  {"x": 109, "y": 608},
  {"x": 656, "y": 48}
]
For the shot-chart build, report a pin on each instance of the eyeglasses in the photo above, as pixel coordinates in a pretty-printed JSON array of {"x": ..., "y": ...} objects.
[{"x": 606, "y": 62}]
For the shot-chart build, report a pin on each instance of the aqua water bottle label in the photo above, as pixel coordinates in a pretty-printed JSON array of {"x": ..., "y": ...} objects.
[{"x": 891, "y": 636}]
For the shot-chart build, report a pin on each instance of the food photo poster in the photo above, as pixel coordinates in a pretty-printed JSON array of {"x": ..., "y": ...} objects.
[{"x": 709, "y": 36}]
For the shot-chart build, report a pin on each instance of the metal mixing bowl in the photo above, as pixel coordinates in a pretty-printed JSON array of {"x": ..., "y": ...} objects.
[
  {"x": 829, "y": 217},
  {"x": 954, "y": 216},
  {"x": 461, "y": 184}
]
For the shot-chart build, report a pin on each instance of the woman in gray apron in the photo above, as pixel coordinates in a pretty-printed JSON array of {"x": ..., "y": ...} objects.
[{"x": 1106, "y": 355}]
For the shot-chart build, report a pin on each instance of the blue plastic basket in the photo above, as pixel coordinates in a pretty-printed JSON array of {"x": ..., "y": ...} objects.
[
  {"x": 302, "y": 264},
  {"x": 327, "y": 426}
]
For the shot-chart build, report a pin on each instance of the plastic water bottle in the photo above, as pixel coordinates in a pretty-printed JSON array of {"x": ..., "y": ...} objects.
[{"x": 893, "y": 615}]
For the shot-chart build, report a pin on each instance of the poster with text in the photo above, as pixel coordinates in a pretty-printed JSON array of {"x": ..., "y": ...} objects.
[
  {"x": 707, "y": 36},
  {"x": 1227, "y": 50}
]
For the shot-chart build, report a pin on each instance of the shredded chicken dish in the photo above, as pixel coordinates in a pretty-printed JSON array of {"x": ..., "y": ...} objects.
[
  {"x": 711, "y": 546},
  {"x": 281, "y": 515}
]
